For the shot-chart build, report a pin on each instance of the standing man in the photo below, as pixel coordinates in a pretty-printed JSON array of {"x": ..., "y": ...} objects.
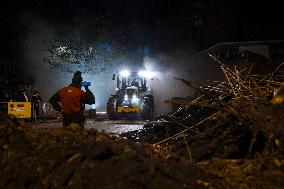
[
  {"x": 36, "y": 100},
  {"x": 4, "y": 99},
  {"x": 23, "y": 97},
  {"x": 71, "y": 100}
]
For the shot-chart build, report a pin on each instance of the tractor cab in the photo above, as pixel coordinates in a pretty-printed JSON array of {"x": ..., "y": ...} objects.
[{"x": 127, "y": 79}]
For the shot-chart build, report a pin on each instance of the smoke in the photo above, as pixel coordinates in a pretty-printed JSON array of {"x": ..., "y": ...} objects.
[
  {"x": 47, "y": 80},
  {"x": 164, "y": 85},
  {"x": 178, "y": 64}
]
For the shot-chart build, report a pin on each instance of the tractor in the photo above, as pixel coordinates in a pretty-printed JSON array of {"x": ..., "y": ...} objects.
[{"x": 132, "y": 97}]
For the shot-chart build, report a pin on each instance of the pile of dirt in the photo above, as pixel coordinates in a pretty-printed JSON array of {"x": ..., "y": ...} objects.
[
  {"x": 71, "y": 158},
  {"x": 236, "y": 136},
  {"x": 261, "y": 173},
  {"x": 239, "y": 152},
  {"x": 245, "y": 150},
  {"x": 231, "y": 119},
  {"x": 257, "y": 131},
  {"x": 165, "y": 126},
  {"x": 13, "y": 143}
]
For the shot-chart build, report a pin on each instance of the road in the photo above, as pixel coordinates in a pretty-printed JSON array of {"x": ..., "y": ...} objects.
[
  {"x": 118, "y": 127},
  {"x": 102, "y": 123}
]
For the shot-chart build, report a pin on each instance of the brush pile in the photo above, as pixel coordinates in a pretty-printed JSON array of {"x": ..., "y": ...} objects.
[{"x": 235, "y": 126}]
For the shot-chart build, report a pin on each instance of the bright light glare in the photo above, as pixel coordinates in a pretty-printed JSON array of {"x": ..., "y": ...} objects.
[
  {"x": 116, "y": 89},
  {"x": 125, "y": 73},
  {"x": 134, "y": 98},
  {"x": 101, "y": 113},
  {"x": 125, "y": 97},
  {"x": 147, "y": 74},
  {"x": 61, "y": 50}
]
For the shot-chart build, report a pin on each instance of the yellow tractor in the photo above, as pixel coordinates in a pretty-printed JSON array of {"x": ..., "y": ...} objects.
[{"x": 132, "y": 96}]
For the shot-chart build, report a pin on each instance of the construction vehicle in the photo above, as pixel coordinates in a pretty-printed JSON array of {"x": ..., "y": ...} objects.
[{"x": 132, "y": 96}]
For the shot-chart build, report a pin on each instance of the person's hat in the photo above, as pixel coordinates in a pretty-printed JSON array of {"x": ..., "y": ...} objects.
[{"x": 77, "y": 78}]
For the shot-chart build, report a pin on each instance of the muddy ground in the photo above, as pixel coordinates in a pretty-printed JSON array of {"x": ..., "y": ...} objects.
[{"x": 244, "y": 150}]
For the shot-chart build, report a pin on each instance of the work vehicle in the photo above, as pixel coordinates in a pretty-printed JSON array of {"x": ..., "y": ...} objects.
[{"x": 132, "y": 96}]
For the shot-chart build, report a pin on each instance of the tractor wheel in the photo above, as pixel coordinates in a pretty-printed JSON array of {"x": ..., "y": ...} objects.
[
  {"x": 112, "y": 108},
  {"x": 147, "y": 111}
]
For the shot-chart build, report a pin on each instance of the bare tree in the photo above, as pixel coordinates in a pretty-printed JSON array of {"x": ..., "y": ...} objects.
[{"x": 90, "y": 44}]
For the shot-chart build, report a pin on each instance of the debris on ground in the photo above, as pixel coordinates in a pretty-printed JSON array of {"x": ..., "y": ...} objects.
[
  {"x": 231, "y": 136},
  {"x": 239, "y": 120},
  {"x": 71, "y": 158}
]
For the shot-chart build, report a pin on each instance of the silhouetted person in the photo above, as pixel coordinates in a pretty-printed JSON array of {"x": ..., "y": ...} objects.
[
  {"x": 4, "y": 99},
  {"x": 135, "y": 83},
  {"x": 71, "y": 101},
  {"x": 22, "y": 96},
  {"x": 36, "y": 100}
]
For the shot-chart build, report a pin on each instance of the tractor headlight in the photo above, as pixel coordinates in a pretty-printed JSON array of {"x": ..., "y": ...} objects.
[
  {"x": 125, "y": 73},
  {"x": 135, "y": 99},
  {"x": 146, "y": 74},
  {"x": 125, "y": 97}
]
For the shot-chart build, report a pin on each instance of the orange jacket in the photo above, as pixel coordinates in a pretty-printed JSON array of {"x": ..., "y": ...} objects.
[{"x": 70, "y": 98}]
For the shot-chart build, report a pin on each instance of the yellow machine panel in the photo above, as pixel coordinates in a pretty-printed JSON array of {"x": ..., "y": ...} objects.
[
  {"x": 127, "y": 109},
  {"x": 20, "y": 109}
]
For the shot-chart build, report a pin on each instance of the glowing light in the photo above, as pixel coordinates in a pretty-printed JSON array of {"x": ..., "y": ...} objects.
[
  {"x": 135, "y": 99},
  {"x": 125, "y": 97},
  {"x": 101, "y": 113},
  {"x": 61, "y": 50},
  {"x": 147, "y": 74},
  {"x": 116, "y": 89},
  {"x": 125, "y": 73}
]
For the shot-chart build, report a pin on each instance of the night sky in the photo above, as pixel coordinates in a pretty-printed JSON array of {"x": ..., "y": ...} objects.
[
  {"x": 158, "y": 26},
  {"x": 163, "y": 25},
  {"x": 153, "y": 23}
]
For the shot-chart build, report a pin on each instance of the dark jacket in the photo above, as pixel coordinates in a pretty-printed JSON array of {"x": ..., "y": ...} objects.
[
  {"x": 21, "y": 98},
  {"x": 36, "y": 100}
]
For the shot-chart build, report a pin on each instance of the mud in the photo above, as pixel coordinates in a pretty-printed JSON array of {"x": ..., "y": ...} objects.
[{"x": 227, "y": 151}]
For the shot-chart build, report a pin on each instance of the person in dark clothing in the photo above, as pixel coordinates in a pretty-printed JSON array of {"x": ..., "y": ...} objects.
[
  {"x": 71, "y": 100},
  {"x": 36, "y": 100},
  {"x": 4, "y": 99},
  {"x": 22, "y": 96},
  {"x": 135, "y": 83}
]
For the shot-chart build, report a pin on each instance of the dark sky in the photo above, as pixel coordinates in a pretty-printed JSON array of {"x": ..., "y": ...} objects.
[
  {"x": 138, "y": 18},
  {"x": 161, "y": 24}
]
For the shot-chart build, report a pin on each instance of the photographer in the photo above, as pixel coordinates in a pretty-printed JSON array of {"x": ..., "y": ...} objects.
[{"x": 71, "y": 100}]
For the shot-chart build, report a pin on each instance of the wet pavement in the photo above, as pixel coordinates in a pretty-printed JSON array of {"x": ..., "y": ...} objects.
[
  {"x": 115, "y": 126},
  {"x": 101, "y": 122}
]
